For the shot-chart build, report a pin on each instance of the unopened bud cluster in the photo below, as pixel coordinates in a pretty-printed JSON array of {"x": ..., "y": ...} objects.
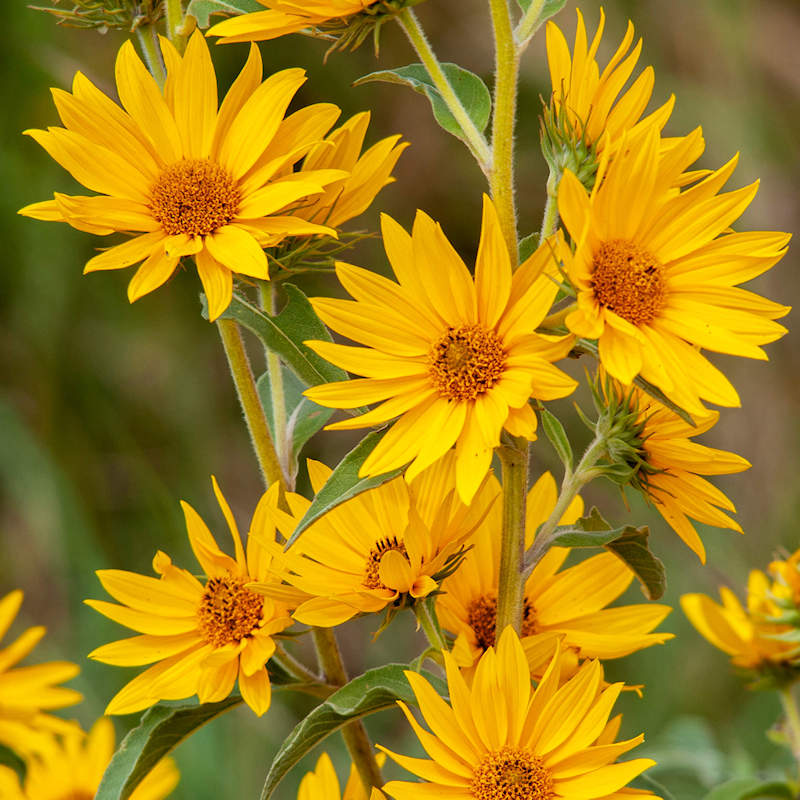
[
  {"x": 563, "y": 149},
  {"x": 124, "y": 15}
]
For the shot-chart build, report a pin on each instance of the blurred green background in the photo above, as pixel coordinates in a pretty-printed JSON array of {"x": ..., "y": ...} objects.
[{"x": 112, "y": 413}]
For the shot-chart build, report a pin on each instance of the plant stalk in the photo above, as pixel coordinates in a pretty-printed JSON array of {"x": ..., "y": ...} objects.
[
  {"x": 354, "y": 733},
  {"x": 253, "y": 411},
  {"x": 510, "y": 580},
  {"x": 425, "y": 611},
  {"x": 474, "y": 138},
  {"x": 294, "y": 667},
  {"x": 529, "y": 24},
  {"x": 176, "y": 19},
  {"x": 550, "y": 217},
  {"x": 789, "y": 704},
  {"x": 147, "y": 37}
]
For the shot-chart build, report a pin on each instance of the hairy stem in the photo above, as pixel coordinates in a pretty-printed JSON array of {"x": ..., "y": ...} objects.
[
  {"x": 789, "y": 704},
  {"x": 294, "y": 667},
  {"x": 473, "y": 137},
  {"x": 550, "y": 218},
  {"x": 354, "y": 733},
  {"x": 425, "y": 611},
  {"x": 529, "y": 24},
  {"x": 514, "y": 458},
  {"x": 501, "y": 179},
  {"x": 175, "y": 24},
  {"x": 253, "y": 411},
  {"x": 147, "y": 36}
]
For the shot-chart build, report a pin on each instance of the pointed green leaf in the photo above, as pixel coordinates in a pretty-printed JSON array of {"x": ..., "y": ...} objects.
[
  {"x": 557, "y": 436},
  {"x": 375, "y": 690},
  {"x": 751, "y": 789},
  {"x": 469, "y": 88},
  {"x": 527, "y": 246},
  {"x": 633, "y": 548},
  {"x": 201, "y": 10},
  {"x": 344, "y": 483},
  {"x": 589, "y": 531},
  {"x": 549, "y": 8}
]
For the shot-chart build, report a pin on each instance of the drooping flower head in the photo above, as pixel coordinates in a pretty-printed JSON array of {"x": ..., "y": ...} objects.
[
  {"x": 184, "y": 176},
  {"x": 70, "y": 767},
  {"x": 567, "y": 604},
  {"x": 323, "y": 783},
  {"x": 499, "y": 739},
  {"x": 395, "y": 540},
  {"x": 26, "y": 693},
  {"x": 656, "y": 270},
  {"x": 200, "y": 635},
  {"x": 746, "y": 633},
  {"x": 455, "y": 358}
]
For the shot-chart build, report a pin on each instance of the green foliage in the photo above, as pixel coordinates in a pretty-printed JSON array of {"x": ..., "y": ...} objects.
[
  {"x": 751, "y": 789},
  {"x": 201, "y": 10},
  {"x": 549, "y": 7},
  {"x": 469, "y": 88},
  {"x": 557, "y": 437},
  {"x": 344, "y": 483},
  {"x": 527, "y": 246},
  {"x": 375, "y": 690}
]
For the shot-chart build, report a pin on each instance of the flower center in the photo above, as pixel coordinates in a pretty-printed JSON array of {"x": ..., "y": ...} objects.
[
  {"x": 512, "y": 774},
  {"x": 228, "y": 612},
  {"x": 629, "y": 281},
  {"x": 195, "y": 197},
  {"x": 482, "y": 618},
  {"x": 372, "y": 578},
  {"x": 466, "y": 362}
]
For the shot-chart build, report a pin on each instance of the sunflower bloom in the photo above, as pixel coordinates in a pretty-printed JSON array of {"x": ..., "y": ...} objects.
[
  {"x": 187, "y": 178},
  {"x": 655, "y": 271},
  {"x": 323, "y": 783},
  {"x": 501, "y": 739},
  {"x": 285, "y": 16},
  {"x": 72, "y": 766},
  {"x": 786, "y": 579},
  {"x": 204, "y": 635},
  {"x": 744, "y": 633},
  {"x": 366, "y": 553},
  {"x": 569, "y": 605},
  {"x": 27, "y": 692},
  {"x": 455, "y": 359},
  {"x": 590, "y": 99}
]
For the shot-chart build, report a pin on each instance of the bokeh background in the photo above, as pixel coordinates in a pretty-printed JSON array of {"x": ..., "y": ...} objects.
[{"x": 112, "y": 413}]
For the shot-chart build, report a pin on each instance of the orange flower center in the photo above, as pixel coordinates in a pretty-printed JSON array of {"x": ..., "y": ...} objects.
[
  {"x": 195, "y": 197},
  {"x": 372, "y": 568},
  {"x": 628, "y": 281},
  {"x": 482, "y": 618},
  {"x": 512, "y": 774},
  {"x": 228, "y": 612},
  {"x": 466, "y": 362}
]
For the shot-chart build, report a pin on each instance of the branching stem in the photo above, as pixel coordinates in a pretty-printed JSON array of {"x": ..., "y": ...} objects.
[{"x": 147, "y": 37}]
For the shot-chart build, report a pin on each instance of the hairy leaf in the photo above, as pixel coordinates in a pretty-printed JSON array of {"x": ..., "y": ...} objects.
[
  {"x": 557, "y": 436},
  {"x": 549, "y": 8},
  {"x": 633, "y": 548},
  {"x": 201, "y": 10}
]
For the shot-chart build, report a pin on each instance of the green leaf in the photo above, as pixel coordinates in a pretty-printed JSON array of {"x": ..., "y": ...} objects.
[
  {"x": 646, "y": 782},
  {"x": 633, "y": 548},
  {"x": 160, "y": 730},
  {"x": 201, "y": 10},
  {"x": 344, "y": 483},
  {"x": 557, "y": 436},
  {"x": 285, "y": 334},
  {"x": 589, "y": 531},
  {"x": 527, "y": 246},
  {"x": 750, "y": 789},
  {"x": 375, "y": 690},
  {"x": 469, "y": 88},
  {"x": 549, "y": 9}
]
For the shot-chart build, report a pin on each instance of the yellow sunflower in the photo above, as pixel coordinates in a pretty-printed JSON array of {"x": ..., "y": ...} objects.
[
  {"x": 655, "y": 270},
  {"x": 498, "y": 738},
  {"x": 570, "y": 604},
  {"x": 394, "y": 540},
  {"x": 72, "y": 765},
  {"x": 182, "y": 175},
  {"x": 26, "y": 692},
  {"x": 204, "y": 635},
  {"x": 786, "y": 579},
  {"x": 590, "y": 99},
  {"x": 323, "y": 783},
  {"x": 743, "y": 632},
  {"x": 455, "y": 358},
  {"x": 284, "y": 16}
]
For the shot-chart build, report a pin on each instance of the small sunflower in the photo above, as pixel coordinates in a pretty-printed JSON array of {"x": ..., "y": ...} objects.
[
  {"x": 786, "y": 579},
  {"x": 394, "y": 540},
  {"x": 323, "y": 783},
  {"x": 204, "y": 635},
  {"x": 570, "y": 604},
  {"x": 71, "y": 766},
  {"x": 285, "y": 16},
  {"x": 27, "y": 692},
  {"x": 455, "y": 358},
  {"x": 655, "y": 271},
  {"x": 187, "y": 178},
  {"x": 744, "y": 632},
  {"x": 499, "y": 739},
  {"x": 596, "y": 112}
]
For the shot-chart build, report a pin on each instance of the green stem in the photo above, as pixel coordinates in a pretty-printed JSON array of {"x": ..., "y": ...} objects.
[
  {"x": 354, "y": 733},
  {"x": 473, "y": 137},
  {"x": 176, "y": 20},
  {"x": 529, "y": 24},
  {"x": 425, "y": 611},
  {"x": 294, "y": 667},
  {"x": 148, "y": 42},
  {"x": 550, "y": 218},
  {"x": 514, "y": 458},
  {"x": 793, "y": 720},
  {"x": 573, "y": 482},
  {"x": 501, "y": 178},
  {"x": 251, "y": 404}
]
